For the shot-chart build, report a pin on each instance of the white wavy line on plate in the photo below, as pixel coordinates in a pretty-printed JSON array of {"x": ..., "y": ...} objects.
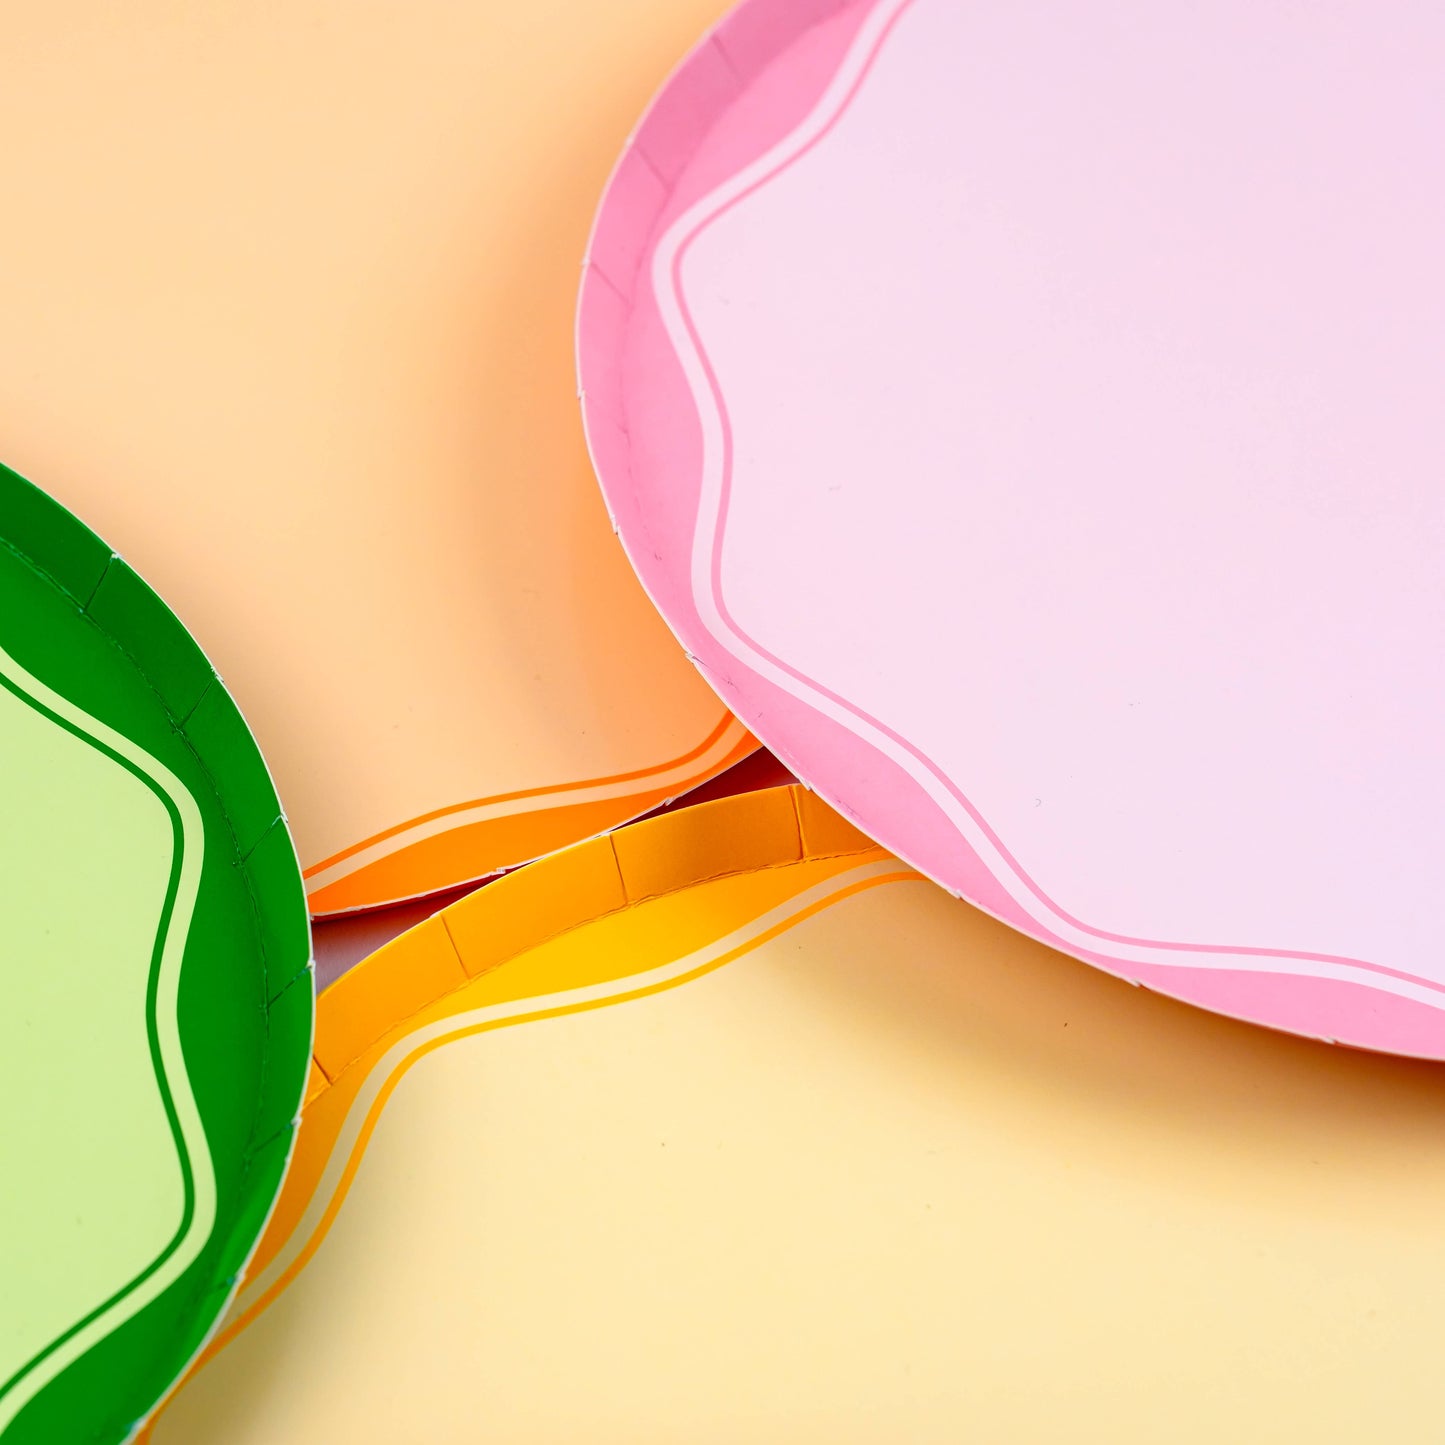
[
  {"x": 400, "y": 1052},
  {"x": 193, "y": 1134},
  {"x": 485, "y": 812},
  {"x": 706, "y": 537}
]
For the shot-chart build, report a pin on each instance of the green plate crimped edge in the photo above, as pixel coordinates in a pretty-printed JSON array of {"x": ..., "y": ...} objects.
[{"x": 76, "y": 618}]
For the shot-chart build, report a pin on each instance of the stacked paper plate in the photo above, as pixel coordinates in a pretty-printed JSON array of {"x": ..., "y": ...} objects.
[{"x": 1022, "y": 420}]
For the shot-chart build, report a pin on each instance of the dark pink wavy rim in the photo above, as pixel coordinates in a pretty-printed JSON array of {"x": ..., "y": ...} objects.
[{"x": 746, "y": 86}]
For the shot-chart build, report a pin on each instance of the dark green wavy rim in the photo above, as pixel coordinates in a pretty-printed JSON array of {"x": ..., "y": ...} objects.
[{"x": 79, "y": 619}]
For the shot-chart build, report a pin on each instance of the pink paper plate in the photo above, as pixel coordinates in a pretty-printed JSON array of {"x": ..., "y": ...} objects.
[{"x": 1029, "y": 417}]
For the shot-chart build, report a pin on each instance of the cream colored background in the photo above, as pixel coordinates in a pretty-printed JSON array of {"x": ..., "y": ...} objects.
[
  {"x": 900, "y": 1175},
  {"x": 286, "y": 299}
]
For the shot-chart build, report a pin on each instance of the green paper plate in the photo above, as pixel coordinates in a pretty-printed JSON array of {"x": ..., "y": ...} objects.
[{"x": 155, "y": 986}]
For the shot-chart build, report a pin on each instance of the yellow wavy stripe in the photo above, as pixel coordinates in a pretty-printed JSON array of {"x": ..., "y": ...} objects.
[{"x": 526, "y": 949}]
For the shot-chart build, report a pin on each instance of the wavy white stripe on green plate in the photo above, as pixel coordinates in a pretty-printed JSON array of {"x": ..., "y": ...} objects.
[{"x": 155, "y": 987}]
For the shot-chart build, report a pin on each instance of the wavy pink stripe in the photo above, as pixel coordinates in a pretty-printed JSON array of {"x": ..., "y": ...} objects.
[
  {"x": 809, "y": 683},
  {"x": 642, "y": 430}
]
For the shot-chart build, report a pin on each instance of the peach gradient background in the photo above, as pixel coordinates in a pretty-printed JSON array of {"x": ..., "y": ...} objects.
[{"x": 287, "y": 297}]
